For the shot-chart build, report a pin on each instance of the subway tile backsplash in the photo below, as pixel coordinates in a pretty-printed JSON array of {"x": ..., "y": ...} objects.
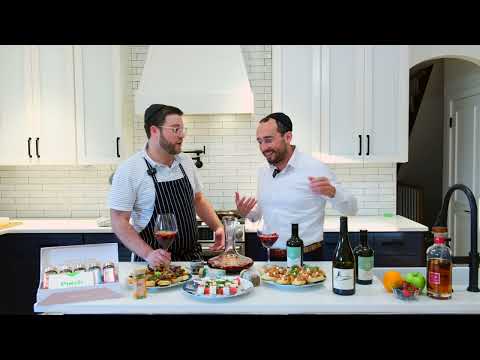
[{"x": 230, "y": 163}]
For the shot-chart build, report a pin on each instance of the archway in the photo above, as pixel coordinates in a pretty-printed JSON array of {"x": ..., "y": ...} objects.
[{"x": 443, "y": 152}]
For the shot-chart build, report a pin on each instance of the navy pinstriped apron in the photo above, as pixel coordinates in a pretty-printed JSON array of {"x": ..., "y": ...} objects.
[{"x": 175, "y": 197}]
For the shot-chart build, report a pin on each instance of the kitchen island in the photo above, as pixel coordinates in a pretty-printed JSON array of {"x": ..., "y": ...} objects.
[{"x": 267, "y": 299}]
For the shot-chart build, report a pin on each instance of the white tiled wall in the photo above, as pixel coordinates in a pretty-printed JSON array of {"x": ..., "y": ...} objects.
[{"x": 230, "y": 163}]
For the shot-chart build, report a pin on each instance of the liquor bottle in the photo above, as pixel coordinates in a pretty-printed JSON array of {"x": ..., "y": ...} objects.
[
  {"x": 363, "y": 260},
  {"x": 439, "y": 270},
  {"x": 294, "y": 248},
  {"x": 343, "y": 264}
]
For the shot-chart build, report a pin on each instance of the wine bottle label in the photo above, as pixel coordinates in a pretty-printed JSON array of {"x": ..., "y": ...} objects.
[
  {"x": 294, "y": 256},
  {"x": 343, "y": 279},
  {"x": 365, "y": 267}
]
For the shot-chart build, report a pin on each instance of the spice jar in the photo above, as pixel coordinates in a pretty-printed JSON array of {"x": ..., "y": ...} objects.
[
  {"x": 140, "y": 285},
  {"x": 79, "y": 268},
  {"x": 51, "y": 270},
  {"x": 109, "y": 272},
  {"x": 65, "y": 269},
  {"x": 97, "y": 272}
]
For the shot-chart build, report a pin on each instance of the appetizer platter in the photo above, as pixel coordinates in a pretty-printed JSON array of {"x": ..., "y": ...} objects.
[
  {"x": 164, "y": 277},
  {"x": 294, "y": 277},
  {"x": 219, "y": 288}
]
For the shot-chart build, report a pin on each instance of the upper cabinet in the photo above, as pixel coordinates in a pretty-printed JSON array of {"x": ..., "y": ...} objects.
[
  {"x": 99, "y": 89},
  {"x": 15, "y": 105},
  {"x": 53, "y": 115},
  {"x": 348, "y": 103},
  {"x": 57, "y": 107}
]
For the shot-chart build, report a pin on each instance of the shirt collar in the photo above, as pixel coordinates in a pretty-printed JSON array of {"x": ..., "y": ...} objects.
[
  {"x": 293, "y": 162},
  {"x": 175, "y": 163}
]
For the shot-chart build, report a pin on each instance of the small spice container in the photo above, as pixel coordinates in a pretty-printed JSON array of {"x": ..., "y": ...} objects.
[
  {"x": 140, "y": 285},
  {"x": 65, "y": 269},
  {"x": 109, "y": 272},
  {"x": 79, "y": 268},
  {"x": 48, "y": 271},
  {"x": 97, "y": 272}
]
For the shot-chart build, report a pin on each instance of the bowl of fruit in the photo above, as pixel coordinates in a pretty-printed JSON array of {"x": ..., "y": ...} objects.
[{"x": 406, "y": 291}]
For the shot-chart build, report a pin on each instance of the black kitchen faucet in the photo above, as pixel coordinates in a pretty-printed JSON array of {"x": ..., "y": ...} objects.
[{"x": 441, "y": 222}]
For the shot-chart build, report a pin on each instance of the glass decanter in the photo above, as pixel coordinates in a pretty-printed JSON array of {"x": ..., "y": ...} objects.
[{"x": 230, "y": 260}]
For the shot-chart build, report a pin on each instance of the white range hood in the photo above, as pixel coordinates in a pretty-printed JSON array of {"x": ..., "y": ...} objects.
[{"x": 198, "y": 79}]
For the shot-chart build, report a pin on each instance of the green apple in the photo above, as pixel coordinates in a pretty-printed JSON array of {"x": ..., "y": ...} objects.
[{"x": 416, "y": 279}]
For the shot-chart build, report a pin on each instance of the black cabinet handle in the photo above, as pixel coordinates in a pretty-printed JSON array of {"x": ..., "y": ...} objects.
[
  {"x": 368, "y": 145},
  {"x": 29, "y": 152},
  {"x": 36, "y": 146},
  {"x": 118, "y": 148},
  {"x": 360, "y": 151},
  {"x": 393, "y": 243}
]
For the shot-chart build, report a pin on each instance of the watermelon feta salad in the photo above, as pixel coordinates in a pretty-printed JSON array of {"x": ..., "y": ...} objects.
[{"x": 214, "y": 287}]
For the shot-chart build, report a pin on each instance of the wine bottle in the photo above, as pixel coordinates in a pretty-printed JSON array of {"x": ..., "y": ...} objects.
[
  {"x": 343, "y": 264},
  {"x": 363, "y": 260},
  {"x": 294, "y": 248}
]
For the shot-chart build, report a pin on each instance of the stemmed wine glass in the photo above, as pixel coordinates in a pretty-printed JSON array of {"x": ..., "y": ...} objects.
[
  {"x": 266, "y": 236},
  {"x": 165, "y": 230}
]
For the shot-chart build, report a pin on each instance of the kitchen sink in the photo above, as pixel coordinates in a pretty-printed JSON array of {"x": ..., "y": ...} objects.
[{"x": 459, "y": 272}]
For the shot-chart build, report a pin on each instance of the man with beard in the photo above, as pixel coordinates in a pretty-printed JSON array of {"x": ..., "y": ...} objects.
[
  {"x": 292, "y": 189},
  {"x": 157, "y": 180}
]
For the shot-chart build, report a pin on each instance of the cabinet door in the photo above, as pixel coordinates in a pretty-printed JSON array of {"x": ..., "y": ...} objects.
[
  {"x": 296, "y": 91},
  {"x": 386, "y": 103},
  {"x": 15, "y": 104},
  {"x": 342, "y": 104},
  {"x": 54, "y": 105},
  {"x": 99, "y": 93}
]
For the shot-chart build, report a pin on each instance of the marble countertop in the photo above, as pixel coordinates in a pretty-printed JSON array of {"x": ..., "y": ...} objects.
[
  {"x": 355, "y": 223},
  {"x": 267, "y": 299}
]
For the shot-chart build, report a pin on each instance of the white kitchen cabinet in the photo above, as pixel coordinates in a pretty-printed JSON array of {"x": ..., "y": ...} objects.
[
  {"x": 351, "y": 105},
  {"x": 294, "y": 87},
  {"x": 99, "y": 84},
  {"x": 37, "y": 105},
  {"x": 15, "y": 104},
  {"x": 61, "y": 104},
  {"x": 342, "y": 104},
  {"x": 386, "y": 103},
  {"x": 53, "y": 122}
]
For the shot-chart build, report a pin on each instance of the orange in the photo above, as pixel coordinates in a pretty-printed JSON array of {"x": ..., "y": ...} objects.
[{"x": 392, "y": 279}]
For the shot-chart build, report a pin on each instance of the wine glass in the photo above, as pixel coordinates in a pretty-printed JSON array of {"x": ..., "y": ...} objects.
[
  {"x": 267, "y": 237},
  {"x": 165, "y": 230}
]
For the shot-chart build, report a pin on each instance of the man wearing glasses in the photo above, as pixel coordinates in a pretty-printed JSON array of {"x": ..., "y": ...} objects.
[
  {"x": 158, "y": 180},
  {"x": 292, "y": 189}
]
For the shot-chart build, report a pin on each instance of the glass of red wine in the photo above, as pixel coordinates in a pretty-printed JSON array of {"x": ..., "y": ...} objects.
[
  {"x": 267, "y": 237},
  {"x": 165, "y": 230}
]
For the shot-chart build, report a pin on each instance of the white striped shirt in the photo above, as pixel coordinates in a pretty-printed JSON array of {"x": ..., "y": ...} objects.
[{"x": 133, "y": 189}]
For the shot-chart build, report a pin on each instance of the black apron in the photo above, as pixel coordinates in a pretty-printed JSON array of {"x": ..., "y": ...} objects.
[{"x": 175, "y": 197}]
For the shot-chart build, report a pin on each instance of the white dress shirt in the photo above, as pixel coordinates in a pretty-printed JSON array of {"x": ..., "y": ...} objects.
[{"x": 288, "y": 199}]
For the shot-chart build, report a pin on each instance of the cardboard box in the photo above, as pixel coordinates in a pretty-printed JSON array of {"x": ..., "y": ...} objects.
[{"x": 61, "y": 255}]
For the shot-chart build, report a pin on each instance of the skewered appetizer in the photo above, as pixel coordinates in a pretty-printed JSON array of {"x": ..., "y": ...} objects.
[{"x": 217, "y": 287}]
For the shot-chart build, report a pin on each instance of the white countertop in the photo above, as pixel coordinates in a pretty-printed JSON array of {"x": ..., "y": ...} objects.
[
  {"x": 266, "y": 299},
  {"x": 66, "y": 225},
  {"x": 357, "y": 223}
]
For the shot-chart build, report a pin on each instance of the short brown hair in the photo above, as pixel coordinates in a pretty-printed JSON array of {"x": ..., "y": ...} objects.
[{"x": 155, "y": 115}]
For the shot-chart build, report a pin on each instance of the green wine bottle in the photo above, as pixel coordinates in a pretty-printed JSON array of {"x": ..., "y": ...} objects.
[
  {"x": 363, "y": 260},
  {"x": 343, "y": 264},
  {"x": 294, "y": 248}
]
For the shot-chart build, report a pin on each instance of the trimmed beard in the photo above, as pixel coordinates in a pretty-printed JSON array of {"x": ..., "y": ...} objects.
[
  {"x": 280, "y": 156},
  {"x": 167, "y": 146}
]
